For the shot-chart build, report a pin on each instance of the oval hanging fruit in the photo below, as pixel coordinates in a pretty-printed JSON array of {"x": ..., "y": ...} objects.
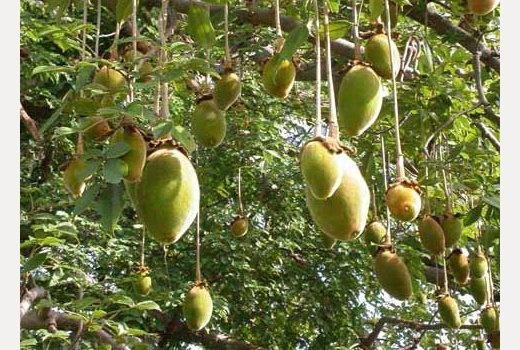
[
  {"x": 227, "y": 90},
  {"x": 393, "y": 274},
  {"x": 432, "y": 235},
  {"x": 197, "y": 307},
  {"x": 135, "y": 158},
  {"x": 343, "y": 215},
  {"x": 375, "y": 234},
  {"x": 377, "y": 52},
  {"x": 168, "y": 195},
  {"x": 239, "y": 226},
  {"x": 360, "y": 99},
  {"x": 321, "y": 163},
  {"x": 142, "y": 284},
  {"x": 489, "y": 319},
  {"x": 459, "y": 266},
  {"x": 208, "y": 124},
  {"x": 110, "y": 78},
  {"x": 478, "y": 265},
  {"x": 482, "y": 7},
  {"x": 479, "y": 289},
  {"x": 452, "y": 227},
  {"x": 72, "y": 179},
  {"x": 403, "y": 201},
  {"x": 278, "y": 78},
  {"x": 449, "y": 311}
]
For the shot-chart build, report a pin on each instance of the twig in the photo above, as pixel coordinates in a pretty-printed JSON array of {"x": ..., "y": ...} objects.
[
  {"x": 30, "y": 297},
  {"x": 480, "y": 90},
  {"x": 486, "y": 133}
]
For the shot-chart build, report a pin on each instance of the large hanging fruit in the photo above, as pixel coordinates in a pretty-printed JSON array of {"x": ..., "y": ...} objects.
[
  {"x": 197, "y": 307},
  {"x": 478, "y": 265},
  {"x": 168, "y": 195},
  {"x": 449, "y": 311},
  {"x": 459, "y": 266},
  {"x": 110, "y": 79},
  {"x": 227, "y": 90},
  {"x": 278, "y": 76},
  {"x": 452, "y": 227},
  {"x": 393, "y": 274},
  {"x": 208, "y": 124},
  {"x": 377, "y": 52},
  {"x": 431, "y": 234},
  {"x": 135, "y": 158},
  {"x": 403, "y": 201}
]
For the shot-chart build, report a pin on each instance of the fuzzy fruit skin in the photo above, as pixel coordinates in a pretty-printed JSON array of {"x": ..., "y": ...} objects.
[
  {"x": 479, "y": 289},
  {"x": 239, "y": 227},
  {"x": 489, "y": 319},
  {"x": 432, "y": 235},
  {"x": 135, "y": 158},
  {"x": 478, "y": 265},
  {"x": 227, "y": 90},
  {"x": 343, "y": 215},
  {"x": 109, "y": 78},
  {"x": 459, "y": 267},
  {"x": 404, "y": 202},
  {"x": 482, "y": 7},
  {"x": 328, "y": 242},
  {"x": 452, "y": 227},
  {"x": 278, "y": 82},
  {"x": 322, "y": 169},
  {"x": 393, "y": 275},
  {"x": 168, "y": 195},
  {"x": 72, "y": 182},
  {"x": 208, "y": 124},
  {"x": 143, "y": 284},
  {"x": 95, "y": 128},
  {"x": 359, "y": 100},
  {"x": 375, "y": 234},
  {"x": 449, "y": 312},
  {"x": 197, "y": 308},
  {"x": 377, "y": 52}
]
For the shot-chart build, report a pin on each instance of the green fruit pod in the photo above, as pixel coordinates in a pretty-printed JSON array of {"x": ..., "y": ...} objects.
[
  {"x": 197, "y": 307},
  {"x": 452, "y": 227},
  {"x": 110, "y": 79},
  {"x": 168, "y": 195},
  {"x": 208, "y": 124},
  {"x": 360, "y": 99},
  {"x": 135, "y": 158},
  {"x": 227, "y": 90},
  {"x": 393, "y": 274},
  {"x": 321, "y": 163},
  {"x": 377, "y": 52},
  {"x": 479, "y": 289},
  {"x": 489, "y": 319},
  {"x": 278, "y": 77},
  {"x": 478, "y": 265},
  {"x": 449, "y": 311},
  {"x": 239, "y": 226},
  {"x": 403, "y": 201},
  {"x": 343, "y": 215},
  {"x": 431, "y": 234},
  {"x": 142, "y": 284},
  {"x": 72, "y": 179},
  {"x": 482, "y": 7},
  {"x": 375, "y": 234},
  {"x": 459, "y": 266}
]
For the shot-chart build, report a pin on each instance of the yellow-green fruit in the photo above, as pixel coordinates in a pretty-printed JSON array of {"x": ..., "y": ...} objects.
[
  {"x": 95, "y": 128},
  {"x": 278, "y": 79},
  {"x": 239, "y": 226},
  {"x": 142, "y": 284},
  {"x": 322, "y": 169},
  {"x": 479, "y": 289},
  {"x": 208, "y": 124},
  {"x": 135, "y": 158},
  {"x": 478, "y": 265},
  {"x": 403, "y": 202},
  {"x": 494, "y": 339},
  {"x": 168, "y": 195},
  {"x": 110, "y": 78},
  {"x": 489, "y": 319},
  {"x": 227, "y": 90},
  {"x": 459, "y": 266},
  {"x": 197, "y": 308},
  {"x": 73, "y": 182},
  {"x": 482, "y": 7},
  {"x": 375, "y": 234},
  {"x": 328, "y": 242},
  {"x": 452, "y": 227},
  {"x": 377, "y": 52},
  {"x": 343, "y": 215},
  {"x": 431, "y": 234},
  {"x": 449, "y": 312},
  {"x": 480, "y": 344},
  {"x": 393, "y": 275},
  {"x": 360, "y": 99}
]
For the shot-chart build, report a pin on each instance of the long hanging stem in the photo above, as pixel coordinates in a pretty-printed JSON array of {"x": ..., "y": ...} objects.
[
  {"x": 240, "y": 206},
  {"x": 113, "y": 53},
  {"x": 227, "y": 59},
  {"x": 165, "y": 110},
  {"x": 134, "y": 51},
  {"x": 142, "y": 245},
  {"x": 388, "y": 239},
  {"x": 446, "y": 289},
  {"x": 84, "y": 31},
  {"x": 333, "y": 120},
  {"x": 277, "y": 18},
  {"x": 400, "y": 157},
  {"x": 357, "y": 45},
  {"x": 198, "y": 275},
  {"x": 98, "y": 28},
  {"x": 374, "y": 205},
  {"x": 449, "y": 206},
  {"x": 317, "y": 128},
  {"x": 79, "y": 144},
  {"x": 165, "y": 256}
]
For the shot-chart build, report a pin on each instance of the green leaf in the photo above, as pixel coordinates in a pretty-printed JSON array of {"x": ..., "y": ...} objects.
[
  {"x": 375, "y": 8},
  {"x": 52, "y": 69},
  {"x": 294, "y": 40},
  {"x": 86, "y": 199},
  {"x": 122, "y": 299},
  {"x": 200, "y": 27},
  {"x": 34, "y": 262},
  {"x": 63, "y": 131},
  {"x": 473, "y": 215},
  {"x": 172, "y": 74},
  {"x": 333, "y": 5},
  {"x": 493, "y": 201},
  {"x": 52, "y": 119},
  {"x": 117, "y": 149},
  {"x": 337, "y": 29},
  {"x": 124, "y": 9},
  {"x": 110, "y": 205},
  {"x": 183, "y": 136},
  {"x": 161, "y": 129},
  {"x": 114, "y": 170},
  {"x": 28, "y": 342},
  {"x": 147, "y": 305},
  {"x": 90, "y": 168},
  {"x": 84, "y": 75},
  {"x": 98, "y": 314}
]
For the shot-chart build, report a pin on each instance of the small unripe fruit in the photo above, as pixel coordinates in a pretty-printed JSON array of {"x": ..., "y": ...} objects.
[
  {"x": 375, "y": 234},
  {"x": 478, "y": 265},
  {"x": 432, "y": 235},
  {"x": 278, "y": 79},
  {"x": 73, "y": 182},
  {"x": 459, "y": 266},
  {"x": 142, "y": 284},
  {"x": 208, "y": 124},
  {"x": 479, "y": 289},
  {"x": 197, "y": 308},
  {"x": 393, "y": 275},
  {"x": 403, "y": 201},
  {"x": 377, "y": 53},
  {"x": 452, "y": 227},
  {"x": 449, "y": 312},
  {"x": 489, "y": 319},
  {"x": 227, "y": 90},
  {"x": 239, "y": 226},
  {"x": 135, "y": 158},
  {"x": 110, "y": 78}
]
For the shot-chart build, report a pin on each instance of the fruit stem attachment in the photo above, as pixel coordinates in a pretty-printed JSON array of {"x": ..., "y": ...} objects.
[
  {"x": 357, "y": 45},
  {"x": 388, "y": 237},
  {"x": 163, "y": 15},
  {"x": 333, "y": 120},
  {"x": 317, "y": 128},
  {"x": 198, "y": 277},
  {"x": 98, "y": 28},
  {"x": 400, "y": 157},
  {"x": 227, "y": 58},
  {"x": 445, "y": 187},
  {"x": 240, "y": 206}
]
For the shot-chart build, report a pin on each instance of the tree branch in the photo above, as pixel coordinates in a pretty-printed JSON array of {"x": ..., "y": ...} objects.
[
  {"x": 32, "y": 127},
  {"x": 29, "y": 298}
]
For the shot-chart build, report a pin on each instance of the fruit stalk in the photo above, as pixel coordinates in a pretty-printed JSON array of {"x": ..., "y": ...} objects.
[
  {"x": 98, "y": 28},
  {"x": 240, "y": 206},
  {"x": 227, "y": 58},
  {"x": 277, "y": 19},
  {"x": 142, "y": 246},
  {"x": 357, "y": 45},
  {"x": 165, "y": 111},
  {"x": 445, "y": 187},
  {"x": 333, "y": 119},
  {"x": 198, "y": 277},
  {"x": 317, "y": 129},
  {"x": 84, "y": 31},
  {"x": 385, "y": 181},
  {"x": 374, "y": 206}
]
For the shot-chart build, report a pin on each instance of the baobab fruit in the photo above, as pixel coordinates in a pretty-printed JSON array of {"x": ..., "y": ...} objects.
[
  {"x": 377, "y": 52},
  {"x": 375, "y": 234},
  {"x": 489, "y": 319},
  {"x": 110, "y": 78},
  {"x": 168, "y": 195},
  {"x": 431, "y": 234},
  {"x": 449, "y": 311},
  {"x": 239, "y": 226},
  {"x": 343, "y": 215},
  {"x": 278, "y": 76},
  {"x": 142, "y": 284},
  {"x": 482, "y": 7},
  {"x": 393, "y": 274},
  {"x": 95, "y": 128},
  {"x": 328, "y": 242},
  {"x": 478, "y": 265},
  {"x": 208, "y": 124},
  {"x": 459, "y": 266},
  {"x": 227, "y": 90},
  {"x": 321, "y": 163},
  {"x": 360, "y": 99},
  {"x": 72, "y": 179},
  {"x": 452, "y": 227},
  {"x": 403, "y": 201},
  {"x": 479, "y": 289},
  {"x": 135, "y": 158},
  {"x": 494, "y": 339},
  {"x": 197, "y": 307}
]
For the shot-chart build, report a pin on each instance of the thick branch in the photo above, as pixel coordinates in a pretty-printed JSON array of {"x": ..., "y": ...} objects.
[
  {"x": 29, "y": 298},
  {"x": 30, "y": 124},
  {"x": 487, "y": 134}
]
